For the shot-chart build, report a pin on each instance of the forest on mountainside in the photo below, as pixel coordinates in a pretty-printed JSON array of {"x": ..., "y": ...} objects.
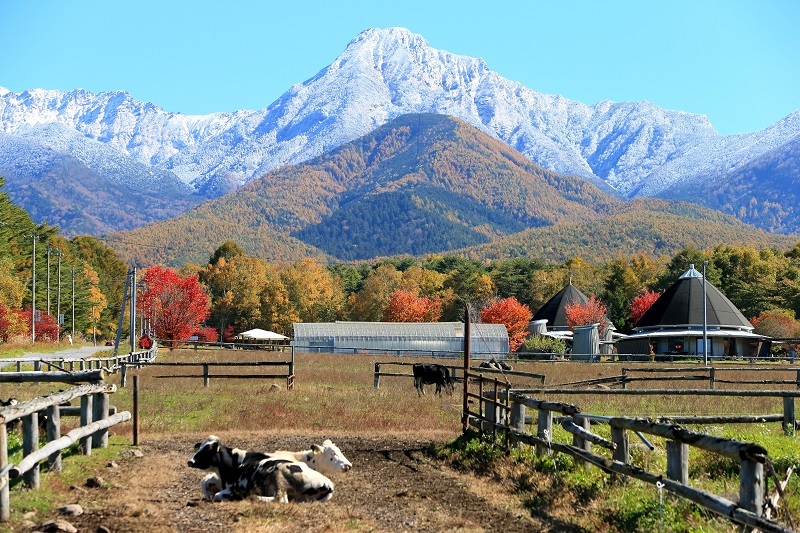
[
  {"x": 245, "y": 291},
  {"x": 435, "y": 181}
]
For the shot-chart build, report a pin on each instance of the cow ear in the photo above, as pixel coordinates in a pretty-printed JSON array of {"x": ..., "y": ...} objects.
[
  {"x": 197, "y": 446},
  {"x": 316, "y": 448},
  {"x": 295, "y": 469}
]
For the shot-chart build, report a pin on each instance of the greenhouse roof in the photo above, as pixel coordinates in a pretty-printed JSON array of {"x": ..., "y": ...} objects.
[{"x": 397, "y": 329}]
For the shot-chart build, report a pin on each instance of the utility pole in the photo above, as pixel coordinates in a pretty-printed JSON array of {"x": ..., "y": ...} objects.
[
  {"x": 48, "y": 278},
  {"x": 33, "y": 292},
  {"x": 73, "y": 302},
  {"x": 58, "y": 300},
  {"x": 705, "y": 318},
  {"x": 133, "y": 310}
]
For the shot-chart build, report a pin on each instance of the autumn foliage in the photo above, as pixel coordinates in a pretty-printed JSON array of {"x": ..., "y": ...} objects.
[
  {"x": 175, "y": 306},
  {"x": 408, "y": 306},
  {"x": 514, "y": 315},
  {"x": 642, "y": 303},
  {"x": 776, "y": 324},
  {"x": 586, "y": 314}
]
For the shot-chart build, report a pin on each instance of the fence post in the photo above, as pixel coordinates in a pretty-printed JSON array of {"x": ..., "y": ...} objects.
[
  {"x": 624, "y": 378},
  {"x": 30, "y": 443},
  {"x": 711, "y": 377},
  {"x": 544, "y": 430},
  {"x": 100, "y": 412},
  {"x": 37, "y": 365},
  {"x": 53, "y": 433},
  {"x": 788, "y": 416},
  {"x": 205, "y": 375},
  {"x": 622, "y": 452},
  {"x": 751, "y": 486},
  {"x": 135, "y": 410},
  {"x": 517, "y": 418},
  {"x": 578, "y": 441},
  {"x": 377, "y": 380},
  {"x": 678, "y": 461},
  {"x": 123, "y": 369},
  {"x": 86, "y": 418},
  {"x": 5, "y": 507}
]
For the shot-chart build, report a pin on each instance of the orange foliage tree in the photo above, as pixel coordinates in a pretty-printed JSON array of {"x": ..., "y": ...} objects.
[
  {"x": 642, "y": 303},
  {"x": 776, "y": 324},
  {"x": 586, "y": 314},
  {"x": 513, "y": 315},
  {"x": 408, "y": 306},
  {"x": 175, "y": 306}
]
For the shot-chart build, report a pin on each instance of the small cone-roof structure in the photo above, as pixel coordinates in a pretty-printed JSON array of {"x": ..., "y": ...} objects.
[
  {"x": 682, "y": 305},
  {"x": 553, "y": 311}
]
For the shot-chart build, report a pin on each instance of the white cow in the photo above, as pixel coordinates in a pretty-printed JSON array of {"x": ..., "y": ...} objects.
[{"x": 327, "y": 458}]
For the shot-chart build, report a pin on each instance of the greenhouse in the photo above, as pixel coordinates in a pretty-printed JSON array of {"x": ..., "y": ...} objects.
[{"x": 401, "y": 338}]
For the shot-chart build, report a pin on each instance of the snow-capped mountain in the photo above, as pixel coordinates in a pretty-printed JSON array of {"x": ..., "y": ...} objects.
[{"x": 635, "y": 148}]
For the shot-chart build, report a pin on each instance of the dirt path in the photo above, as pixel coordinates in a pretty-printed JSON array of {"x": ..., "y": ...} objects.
[{"x": 394, "y": 486}]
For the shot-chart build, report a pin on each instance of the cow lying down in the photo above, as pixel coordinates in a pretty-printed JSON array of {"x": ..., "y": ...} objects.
[{"x": 236, "y": 473}]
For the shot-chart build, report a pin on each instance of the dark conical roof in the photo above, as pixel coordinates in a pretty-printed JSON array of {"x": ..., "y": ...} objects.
[
  {"x": 682, "y": 305},
  {"x": 553, "y": 310}
]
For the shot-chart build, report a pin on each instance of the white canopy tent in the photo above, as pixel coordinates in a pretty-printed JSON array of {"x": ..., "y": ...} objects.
[{"x": 261, "y": 335}]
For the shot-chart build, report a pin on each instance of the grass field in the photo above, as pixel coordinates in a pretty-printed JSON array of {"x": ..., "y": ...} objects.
[{"x": 334, "y": 395}]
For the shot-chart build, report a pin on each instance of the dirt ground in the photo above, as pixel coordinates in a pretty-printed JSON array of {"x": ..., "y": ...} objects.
[{"x": 393, "y": 486}]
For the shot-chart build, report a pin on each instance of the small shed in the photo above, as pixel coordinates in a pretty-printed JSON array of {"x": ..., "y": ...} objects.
[{"x": 406, "y": 338}]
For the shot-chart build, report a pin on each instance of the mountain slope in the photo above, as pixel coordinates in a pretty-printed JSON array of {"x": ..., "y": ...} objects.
[
  {"x": 764, "y": 192},
  {"x": 426, "y": 183},
  {"x": 61, "y": 190},
  {"x": 649, "y": 226},
  {"x": 637, "y": 148}
]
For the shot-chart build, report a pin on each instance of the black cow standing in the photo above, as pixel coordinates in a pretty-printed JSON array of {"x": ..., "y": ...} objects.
[{"x": 429, "y": 374}]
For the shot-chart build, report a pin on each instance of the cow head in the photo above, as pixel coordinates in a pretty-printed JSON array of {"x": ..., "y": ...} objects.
[
  {"x": 207, "y": 454},
  {"x": 328, "y": 458}
]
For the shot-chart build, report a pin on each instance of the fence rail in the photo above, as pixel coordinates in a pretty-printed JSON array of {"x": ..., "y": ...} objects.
[
  {"x": 92, "y": 432},
  {"x": 503, "y": 410},
  {"x": 206, "y": 374}
]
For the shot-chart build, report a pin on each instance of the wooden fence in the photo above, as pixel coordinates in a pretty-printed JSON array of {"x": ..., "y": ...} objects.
[
  {"x": 72, "y": 364},
  {"x": 206, "y": 375},
  {"x": 95, "y": 419},
  {"x": 454, "y": 370},
  {"x": 501, "y": 409}
]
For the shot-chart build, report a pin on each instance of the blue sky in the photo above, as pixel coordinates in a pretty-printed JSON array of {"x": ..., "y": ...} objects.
[{"x": 738, "y": 62}]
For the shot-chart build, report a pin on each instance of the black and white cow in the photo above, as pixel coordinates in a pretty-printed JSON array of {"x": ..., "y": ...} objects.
[
  {"x": 235, "y": 474},
  {"x": 496, "y": 365},
  {"x": 215, "y": 457},
  {"x": 14, "y": 424},
  {"x": 325, "y": 458},
  {"x": 429, "y": 374},
  {"x": 278, "y": 480}
]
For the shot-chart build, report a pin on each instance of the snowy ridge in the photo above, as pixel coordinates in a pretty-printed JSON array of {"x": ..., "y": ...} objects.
[{"x": 636, "y": 148}]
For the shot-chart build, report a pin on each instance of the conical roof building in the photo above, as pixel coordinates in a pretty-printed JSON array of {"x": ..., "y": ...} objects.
[
  {"x": 682, "y": 306},
  {"x": 675, "y": 324},
  {"x": 554, "y": 310}
]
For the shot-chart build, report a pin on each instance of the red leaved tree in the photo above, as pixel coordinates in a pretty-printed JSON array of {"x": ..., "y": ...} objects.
[
  {"x": 586, "y": 314},
  {"x": 776, "y": 324},
  {"x": 175, "y": 305},
  {"x": 513, "y": 315},
  {"x": 408, "y": 306},
  {"x": 642, "y": 303},
  {"x": 206, "y": 334}
]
